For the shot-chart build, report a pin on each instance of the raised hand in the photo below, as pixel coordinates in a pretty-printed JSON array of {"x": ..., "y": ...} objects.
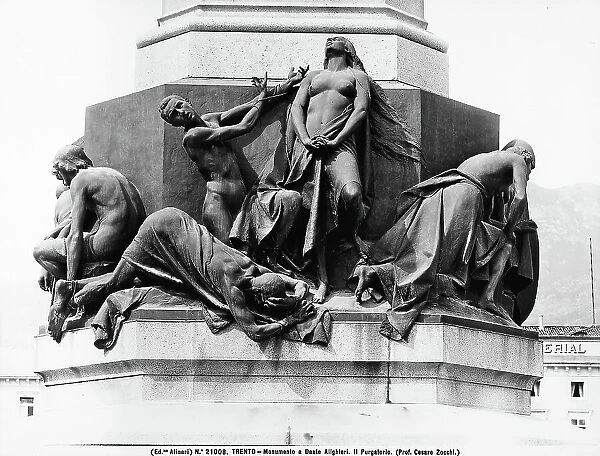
[
  {"x": 264, "y": 84},
  {"x": 257, "y": 83},
  {"x": 297, "y": 76}
]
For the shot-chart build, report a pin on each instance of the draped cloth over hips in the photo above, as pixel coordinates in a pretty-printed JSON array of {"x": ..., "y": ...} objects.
[
  {"x": 172, "y": 249},
  {"x": 439, "y": 229},
  {"x": 266, "y": 209}
]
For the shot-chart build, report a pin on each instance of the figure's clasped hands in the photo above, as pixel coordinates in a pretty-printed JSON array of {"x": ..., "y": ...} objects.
[{"x": 320, "y": 144}]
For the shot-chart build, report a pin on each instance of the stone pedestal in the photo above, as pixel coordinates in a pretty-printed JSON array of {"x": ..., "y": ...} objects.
[
  {"x": 168, "y": 359},
  {"x": 234, "y": 39}
]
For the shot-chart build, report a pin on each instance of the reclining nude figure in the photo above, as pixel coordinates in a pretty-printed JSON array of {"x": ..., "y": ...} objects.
[
  {"x": 113, "y": 200},
  {"x": 206, "y": 143},
  {"x": 441, "y": 229},
  {"x": 174, "y": 250}
]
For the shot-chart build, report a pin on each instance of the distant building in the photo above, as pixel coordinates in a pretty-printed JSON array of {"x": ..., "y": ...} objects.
[
  {"x": 19, "y": 395},
  {"x": 570, "y": 389}
]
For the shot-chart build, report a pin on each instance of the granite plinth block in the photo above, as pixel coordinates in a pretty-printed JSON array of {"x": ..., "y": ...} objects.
[
  {"x": 163, "y": 357},
  {"x": 208, "y": 54},
  {"x": 237, "y": 39}
]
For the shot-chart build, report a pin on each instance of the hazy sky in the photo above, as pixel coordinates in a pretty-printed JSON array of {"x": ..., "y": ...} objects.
[{"x": 536, "y": 63}]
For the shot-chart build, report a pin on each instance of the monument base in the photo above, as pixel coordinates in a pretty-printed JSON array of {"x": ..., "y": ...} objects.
[{"x": 167, "y": 367}]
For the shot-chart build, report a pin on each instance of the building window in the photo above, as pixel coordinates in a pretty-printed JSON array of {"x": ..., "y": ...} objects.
[
  {"x": 578, "y": 421},
  {"x": 576, "y": 389},
  {"x": 26, "y": 406},
  {"x": 579, "y": 418},
  {"x": 535, "y": 389}
]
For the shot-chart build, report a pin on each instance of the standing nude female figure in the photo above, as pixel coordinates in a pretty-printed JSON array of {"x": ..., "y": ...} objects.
[{"x": 338, "y": 92}]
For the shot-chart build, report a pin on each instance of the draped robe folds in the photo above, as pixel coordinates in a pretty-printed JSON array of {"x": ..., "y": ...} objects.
[
  {"x": 440, "y": 228},
  {"x": 172, "y": 249},
  {"x": 268, "y": 209}
]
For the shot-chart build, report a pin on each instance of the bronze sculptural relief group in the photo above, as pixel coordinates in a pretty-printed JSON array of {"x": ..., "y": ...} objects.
[{"x": 251, "y": 256}]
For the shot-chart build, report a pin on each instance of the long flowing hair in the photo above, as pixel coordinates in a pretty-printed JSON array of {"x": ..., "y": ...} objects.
[{"x": 390, "y": 137}]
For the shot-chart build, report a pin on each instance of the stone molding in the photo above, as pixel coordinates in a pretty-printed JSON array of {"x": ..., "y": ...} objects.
[
  {"x": 174, "y": 356},
  {"x": 370, "y": 18}
]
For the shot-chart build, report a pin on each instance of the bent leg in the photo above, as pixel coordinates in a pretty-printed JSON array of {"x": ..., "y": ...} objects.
[
  {"x": 51, "y": 254},
  {"x": 290, "y": 203},
  {"x": 322, "y": 279},
  {"x": 79, "y": 295},
  {"x": 497, "y": 265},
  {"x": 96, "y": 290},
  {"x": 354, "y": 213}
]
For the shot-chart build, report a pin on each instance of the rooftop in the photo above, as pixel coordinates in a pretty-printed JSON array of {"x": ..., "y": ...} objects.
[{"x": 566, "y": 330}]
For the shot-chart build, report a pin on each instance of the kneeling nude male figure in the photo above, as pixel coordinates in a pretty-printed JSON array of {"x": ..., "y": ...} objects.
[
  {"x": 205, "y": 142},
  {"x": 119, "y": 212},
  {"x": 171, "y": 248}
]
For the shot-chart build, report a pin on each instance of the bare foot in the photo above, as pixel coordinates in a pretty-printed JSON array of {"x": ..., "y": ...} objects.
[
  {"x": 59, "y": 310},
  {"x": 366, "y": 279},
  {"x": 492, "y": 307},
  {"x": 320, "y": 293}
]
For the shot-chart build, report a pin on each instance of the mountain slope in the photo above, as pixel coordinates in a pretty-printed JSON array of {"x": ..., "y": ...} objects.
[{"x": 566, "y": 217}]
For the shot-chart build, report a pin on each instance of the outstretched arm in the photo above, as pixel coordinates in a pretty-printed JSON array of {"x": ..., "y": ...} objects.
[
  {"x": 234, "y": 115},
  {"x": 74, "y": 241},
  {"x": 199, "y": 135}
]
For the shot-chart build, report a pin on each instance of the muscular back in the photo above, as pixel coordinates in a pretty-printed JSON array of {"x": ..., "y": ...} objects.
[
  {"x": 116, "y": 203},
  {"x": 497, "y": 170}
]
